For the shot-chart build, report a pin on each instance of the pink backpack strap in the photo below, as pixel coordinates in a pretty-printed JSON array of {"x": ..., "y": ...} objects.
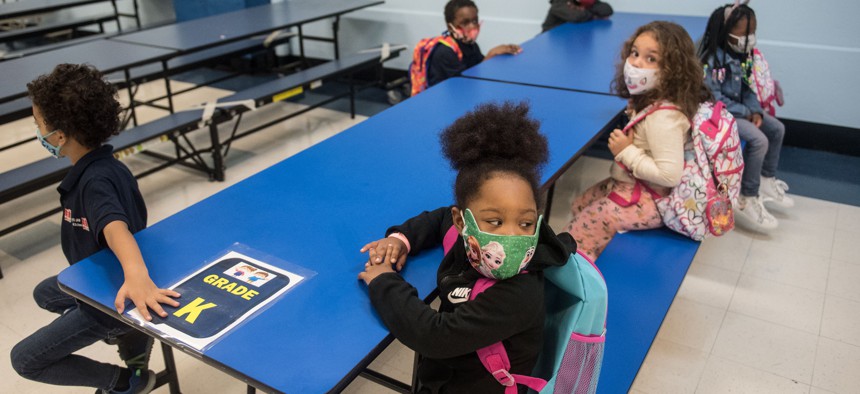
[
  {"x": 711, "y": 126},
  {"x": 450, "y": 238},
  {"x": 495, "y": 358},
  {"x": 647, "y": 111},
  {"x": 637, "y": 189}
]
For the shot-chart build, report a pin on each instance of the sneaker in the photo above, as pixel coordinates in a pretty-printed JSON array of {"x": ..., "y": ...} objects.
[
  {"x": 394, "y": 97},
  {"x": 141, "y": 382},
  {"x": 773, "y": 191},
  {"x": 134, "y": 349},
  {"x": 752, "y": 213}
]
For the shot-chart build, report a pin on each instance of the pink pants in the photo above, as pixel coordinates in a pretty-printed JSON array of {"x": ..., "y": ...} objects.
[{"x": 596, "y": 218}]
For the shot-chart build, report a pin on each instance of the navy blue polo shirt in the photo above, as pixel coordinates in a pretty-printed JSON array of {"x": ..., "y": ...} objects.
[
  {"x": 98, "y": 190},
  {"x": 443, "y": 62}
]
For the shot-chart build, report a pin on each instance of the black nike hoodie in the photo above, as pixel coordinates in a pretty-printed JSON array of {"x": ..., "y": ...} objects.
[{"x": 511, "y": 311}]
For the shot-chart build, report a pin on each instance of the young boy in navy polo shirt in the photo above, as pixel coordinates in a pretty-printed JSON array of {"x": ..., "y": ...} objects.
[
  {"x": 76, "y": 111},
  {"x": 461, "y": 19}
]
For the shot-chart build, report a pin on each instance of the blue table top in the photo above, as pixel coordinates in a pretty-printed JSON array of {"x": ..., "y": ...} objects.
[
  {"x": 105, "y": 55},
  {"x": 214, "y": 30},
  {"x": 572, "y": 56},
  {"x": 643, "y": 271},
  {"x": 315, "y": 210}
]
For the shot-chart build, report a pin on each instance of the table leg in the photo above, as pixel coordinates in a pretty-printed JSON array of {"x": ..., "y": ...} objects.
[
  {"x": 335, "y": 27},
  {"x": 217, "y": 157},
  {"x": 130, "y": 97},
  {"x": 168, "y": 92},
  {"x": 169, "y": 374}
]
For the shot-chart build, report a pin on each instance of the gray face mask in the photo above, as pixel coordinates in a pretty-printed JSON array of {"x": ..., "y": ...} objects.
[{"x": 744, "y": 45}]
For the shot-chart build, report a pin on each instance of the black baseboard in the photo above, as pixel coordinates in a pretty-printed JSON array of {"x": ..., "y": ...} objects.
[{"x": 817, "y": 136}]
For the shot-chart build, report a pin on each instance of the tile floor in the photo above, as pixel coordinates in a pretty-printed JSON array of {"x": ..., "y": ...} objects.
[{"x": 776, "y": 313}]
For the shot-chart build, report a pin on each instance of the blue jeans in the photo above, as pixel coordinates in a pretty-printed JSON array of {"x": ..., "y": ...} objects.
[
  {"x": 761, "y": 156},
  {"x": 47, "y": 355}
]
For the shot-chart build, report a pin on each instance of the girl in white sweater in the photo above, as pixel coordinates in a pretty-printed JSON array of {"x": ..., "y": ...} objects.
[{"x": 661, "y": 76}]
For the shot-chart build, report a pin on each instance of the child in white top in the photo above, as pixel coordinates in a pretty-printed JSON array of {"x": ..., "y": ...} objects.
[{"x": 662, "y": 77}]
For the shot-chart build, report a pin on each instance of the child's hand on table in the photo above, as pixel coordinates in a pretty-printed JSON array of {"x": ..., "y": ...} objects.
[
  {"x": 507, "y": 49},
  {"x": 387, "y": 250},
  {"x": 371, "y": 271}
]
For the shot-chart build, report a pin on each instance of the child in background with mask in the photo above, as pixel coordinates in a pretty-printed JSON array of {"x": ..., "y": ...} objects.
[
  {"x": 455, "y": 51},
  {"x": 76, "y": 111},
  {"x": 726, "y": 53},
  {"x": 575, "y": 11},
  {"x": 496, "y": 211},
  {"x": 662, "y": 78}
]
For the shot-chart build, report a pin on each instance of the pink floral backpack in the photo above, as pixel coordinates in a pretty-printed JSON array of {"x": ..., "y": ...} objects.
[
  {"x": 701, "y": 204},
  {"x": 766, "y": 88}
]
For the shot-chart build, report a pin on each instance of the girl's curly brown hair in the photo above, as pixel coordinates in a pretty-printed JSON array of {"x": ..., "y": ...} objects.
[
  {"x": 76, "y": 99},
  {"x": 681, "y": 81}
]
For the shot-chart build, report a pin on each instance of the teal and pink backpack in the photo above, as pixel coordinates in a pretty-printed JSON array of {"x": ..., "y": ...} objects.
[{"x": 574, "y": 330}]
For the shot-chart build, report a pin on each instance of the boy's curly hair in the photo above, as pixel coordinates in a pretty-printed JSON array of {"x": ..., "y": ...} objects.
[
  {"x": 681, "y": 80},
  {"x": 492, "y": 139},
  {"x": 76, "y": 99},
  {"x": 452, "y": 6}
]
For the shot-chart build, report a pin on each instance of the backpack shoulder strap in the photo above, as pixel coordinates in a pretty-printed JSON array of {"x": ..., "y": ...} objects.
[
  {"x": 450, "y": 238},
  {"x": 421, "y": 55},
  {"x": 495, "y": 358},
  {"x": 637, "y": 188},
  {"x": 648, "y": 111},
  {"x": 449, "y": 42}
]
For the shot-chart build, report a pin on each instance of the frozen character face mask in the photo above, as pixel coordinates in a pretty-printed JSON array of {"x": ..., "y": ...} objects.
[{"x": 497, "y": 256}]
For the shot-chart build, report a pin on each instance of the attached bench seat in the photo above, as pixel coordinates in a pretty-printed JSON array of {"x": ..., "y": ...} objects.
[
  {"x": 16, "y": 109},
  {"x": 74, "y": 41},
  {"x": 20, "y": 108},
  {"x": 49, "y": 47},
  {"x": 59, "y": 25},
  {"x": 272, "y": 91},
  {"x": 195, "y": 59},
  {"x": 643, "y": 271},
  {"x": 46, "y": 172}
]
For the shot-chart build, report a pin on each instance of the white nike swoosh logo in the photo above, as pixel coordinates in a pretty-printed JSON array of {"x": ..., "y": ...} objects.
[{"x": 455, "y": 299}]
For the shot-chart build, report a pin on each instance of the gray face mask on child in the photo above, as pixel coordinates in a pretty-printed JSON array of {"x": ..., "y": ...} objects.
[{"x": 744, "y": 45}]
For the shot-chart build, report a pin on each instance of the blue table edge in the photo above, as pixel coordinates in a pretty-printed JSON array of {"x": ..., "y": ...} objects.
[{"x": 340, "y": 386}]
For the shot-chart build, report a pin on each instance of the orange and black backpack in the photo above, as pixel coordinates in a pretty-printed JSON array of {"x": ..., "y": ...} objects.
[{"x": 418, "y": 67}]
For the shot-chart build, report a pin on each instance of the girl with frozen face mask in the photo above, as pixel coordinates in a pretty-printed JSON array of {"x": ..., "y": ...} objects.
[{"x": 496, "y": 231}]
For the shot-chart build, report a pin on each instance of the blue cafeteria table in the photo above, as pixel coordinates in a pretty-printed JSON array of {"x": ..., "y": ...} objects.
[
  {"x": 315, "y": 210},
  {"x": 580, "y": 57}
]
